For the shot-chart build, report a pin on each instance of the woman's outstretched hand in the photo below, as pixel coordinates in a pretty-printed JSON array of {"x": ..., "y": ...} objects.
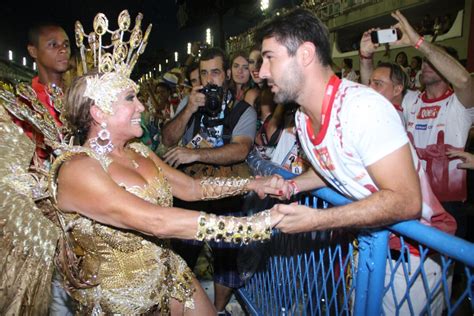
[{"x": 274, "y": 186}]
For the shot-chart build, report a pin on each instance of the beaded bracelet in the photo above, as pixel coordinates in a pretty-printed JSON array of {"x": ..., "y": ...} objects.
[
  {"x": 214, "y": 188},
  {"x": 419, "y": 42},
  {"x": 234, "y": 229}
]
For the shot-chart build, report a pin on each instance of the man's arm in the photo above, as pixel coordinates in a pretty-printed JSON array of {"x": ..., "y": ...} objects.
[
  {"x": 398, "y": 199},
  {"x": 366, "y": 53},
  {"x": 447, "y": 66},
  {"x": 234, "y": 152},
  {"x": 243, "y": 136},
  {"x": 174, "y": 129},
  {"x": 308, "y": 181}
]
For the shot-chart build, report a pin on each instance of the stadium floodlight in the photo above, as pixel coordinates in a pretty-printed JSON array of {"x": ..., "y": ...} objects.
[{"x": 208, "y": 36}]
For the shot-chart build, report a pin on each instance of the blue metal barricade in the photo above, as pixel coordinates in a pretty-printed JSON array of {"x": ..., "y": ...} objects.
[{"x": 345, "y": 273}]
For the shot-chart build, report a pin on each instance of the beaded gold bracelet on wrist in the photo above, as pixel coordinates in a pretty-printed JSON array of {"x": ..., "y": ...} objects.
[
  {"x": 234, "y": 229},
  {"x": 217, "y": 187}
]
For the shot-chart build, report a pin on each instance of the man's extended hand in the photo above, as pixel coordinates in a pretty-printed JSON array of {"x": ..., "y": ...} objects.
[
  {"x": 275, "y": 217},
  {"x": 177, "y": 156},
  {"x": 297, "y": 218}
]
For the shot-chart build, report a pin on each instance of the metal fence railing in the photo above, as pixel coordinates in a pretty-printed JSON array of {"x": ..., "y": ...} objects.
[{"x": 355, "y": 273}]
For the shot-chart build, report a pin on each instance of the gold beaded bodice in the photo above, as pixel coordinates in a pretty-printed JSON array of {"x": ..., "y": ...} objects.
[{"x": 134, "y": 273}]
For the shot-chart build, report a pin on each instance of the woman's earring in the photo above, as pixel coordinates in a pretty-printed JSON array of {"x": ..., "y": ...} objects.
[{"x": 102, "y": 144}]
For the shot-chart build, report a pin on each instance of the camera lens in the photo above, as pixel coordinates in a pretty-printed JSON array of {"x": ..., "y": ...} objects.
[{"x": 213, "y": 103}]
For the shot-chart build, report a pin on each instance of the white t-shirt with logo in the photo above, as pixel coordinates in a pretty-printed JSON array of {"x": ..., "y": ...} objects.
[
  {"x": 363, "y": 128},
  {"x": 435, "y": 126}
]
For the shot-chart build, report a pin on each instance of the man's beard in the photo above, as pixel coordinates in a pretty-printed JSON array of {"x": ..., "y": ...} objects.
[
  {"x": 431, "y": 78},
  {"x": 289, "y": 91},
  {"x": 428, "y": 80}
]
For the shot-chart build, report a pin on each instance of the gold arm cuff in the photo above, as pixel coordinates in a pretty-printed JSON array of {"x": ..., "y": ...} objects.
[
  {"x": 239, "y": 230},
  {"x": 214, "y": 188}
]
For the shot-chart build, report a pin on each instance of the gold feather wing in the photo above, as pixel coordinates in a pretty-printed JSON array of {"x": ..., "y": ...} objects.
[{"x": 27, "y": 238}]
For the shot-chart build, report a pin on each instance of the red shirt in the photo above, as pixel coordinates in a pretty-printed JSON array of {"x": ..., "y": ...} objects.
[
  {"x": 30, "y": 131},
  {"x": 45, "y": 99}
]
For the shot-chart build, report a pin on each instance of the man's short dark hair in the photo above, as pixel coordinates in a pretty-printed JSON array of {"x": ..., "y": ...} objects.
[
  {"x": 397, "y": 75},
  {"x": 295, "y": 28},
  {"x": 213, "y": 52},
  {"x": 190, "y": 69},
  {"x": 35, "y": 31}
]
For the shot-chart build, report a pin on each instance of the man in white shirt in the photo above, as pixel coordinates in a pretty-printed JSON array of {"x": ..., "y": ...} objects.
[
  {"x": 439, "y": 118},
  {"x": 353, "y": 138}
]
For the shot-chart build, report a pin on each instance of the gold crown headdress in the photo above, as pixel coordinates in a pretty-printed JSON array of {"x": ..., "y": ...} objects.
[{"x": 117, "y": 65}]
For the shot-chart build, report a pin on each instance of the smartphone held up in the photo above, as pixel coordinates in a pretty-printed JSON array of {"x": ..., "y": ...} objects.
[{"x": 385, "y": 36}]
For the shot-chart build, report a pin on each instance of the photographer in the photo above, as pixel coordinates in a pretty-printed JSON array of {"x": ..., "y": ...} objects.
[
  {"x": 230, "y": 129},
  {"x": 216, "y": 134}
]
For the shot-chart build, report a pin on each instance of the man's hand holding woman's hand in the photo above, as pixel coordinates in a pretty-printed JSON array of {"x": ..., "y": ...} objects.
[
  {"x": 293, "y": 218},
  {"x": 274, "y": 186}
]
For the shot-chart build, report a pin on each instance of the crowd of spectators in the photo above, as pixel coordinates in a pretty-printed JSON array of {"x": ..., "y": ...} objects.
[
  {"x": 434, "y": 26},
  {"x": 182, "y": 127}
]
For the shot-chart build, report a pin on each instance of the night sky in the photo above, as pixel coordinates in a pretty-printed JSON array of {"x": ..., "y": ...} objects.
[
  {"x": 166, "y": 37},
  {"x": 17, "y": 17}
]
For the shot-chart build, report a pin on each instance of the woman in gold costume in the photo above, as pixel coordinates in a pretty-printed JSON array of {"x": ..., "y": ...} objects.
[
  {"x": 115, "y": 202},
  {"x": 113, "y": 197}
]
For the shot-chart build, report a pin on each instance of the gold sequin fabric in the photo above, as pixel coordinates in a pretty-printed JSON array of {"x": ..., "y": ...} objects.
[
  {"x": 135, "y": 273},
  {"x": 27, "y": 238}
]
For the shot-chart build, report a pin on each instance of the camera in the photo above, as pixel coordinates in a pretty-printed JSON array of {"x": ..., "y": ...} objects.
[
  {"x": 385, "y": 36},
  {"x": 213, "y": 94}
]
